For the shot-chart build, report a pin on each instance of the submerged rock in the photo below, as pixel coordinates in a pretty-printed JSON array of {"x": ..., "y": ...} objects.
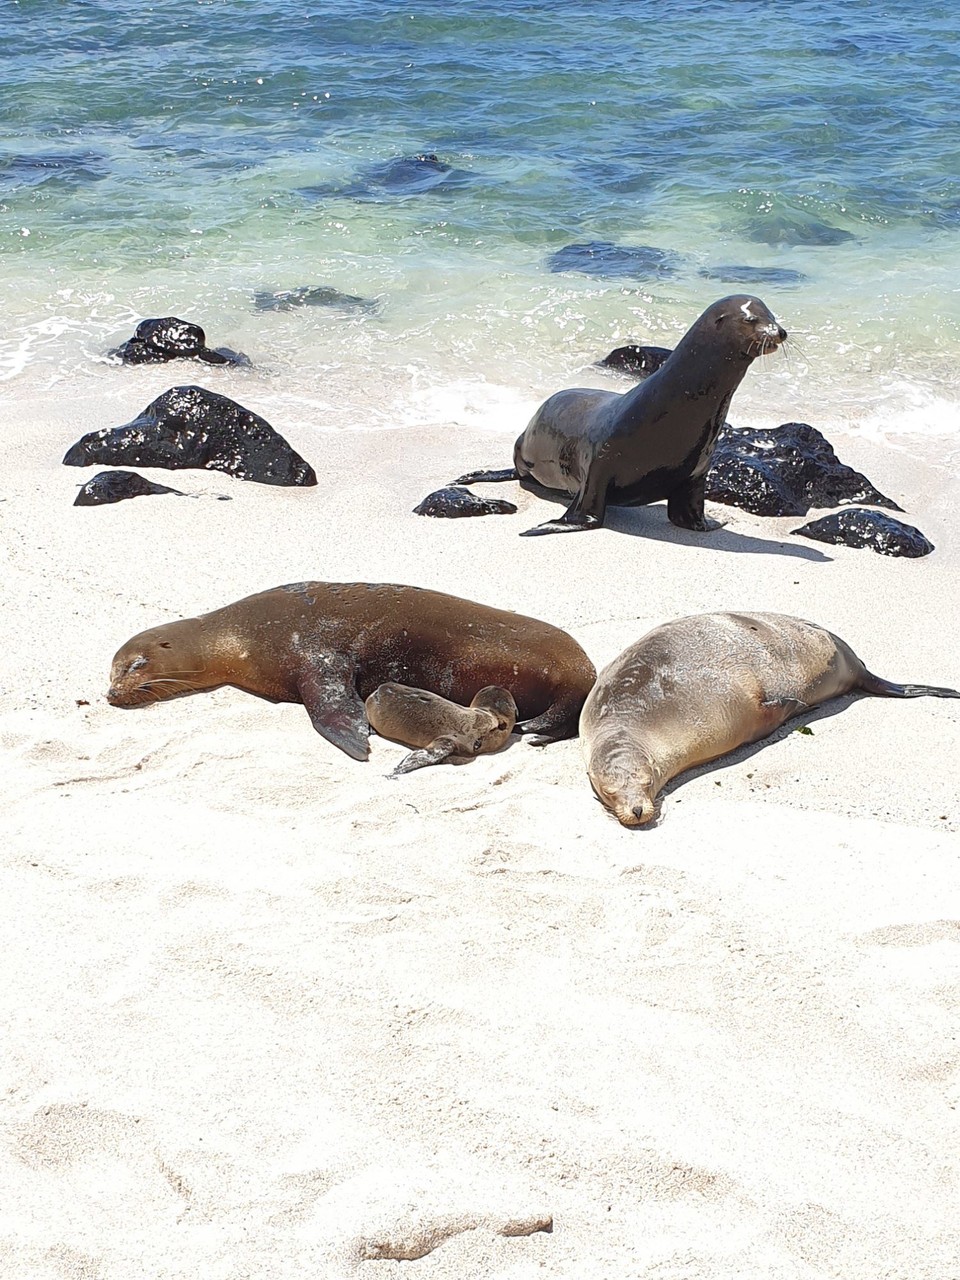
[
  {"x": 640, "y": 362},
  {"x": 400, "y": 176},
  {"x": 312, "y": 296},
  {"x": 170, "y": 338},
  {"x": 784, "y": 471},
  {"x": 753, "y": 275},
  {"x": 603, "y": 258},
  {"x": 192, "y": 427},
  {"x": 454, "y": 502},
  {"x": 863, "y": 528},
  {"x": 794, "y": 229},
  {"x": 114, "y": 486}
]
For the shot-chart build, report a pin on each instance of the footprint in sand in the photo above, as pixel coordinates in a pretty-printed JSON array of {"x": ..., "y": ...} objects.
[{"x": 912, "y": 935}]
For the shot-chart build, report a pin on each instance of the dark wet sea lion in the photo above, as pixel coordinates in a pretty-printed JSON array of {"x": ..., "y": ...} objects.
[
  {"x": 439, "y": 727},
  {"x": 652, "y": 442},
  {"x": 694, "y": 689},
  {"x": 329, "y": 645}
]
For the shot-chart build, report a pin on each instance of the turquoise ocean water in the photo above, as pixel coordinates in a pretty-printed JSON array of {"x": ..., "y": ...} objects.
[{"x": 180, "y": 158}]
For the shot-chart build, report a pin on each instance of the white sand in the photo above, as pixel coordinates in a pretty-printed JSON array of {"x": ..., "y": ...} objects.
[{"x": 267, "y": 1013}]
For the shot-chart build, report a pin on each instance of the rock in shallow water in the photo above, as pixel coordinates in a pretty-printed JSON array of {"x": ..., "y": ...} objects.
[
  {"x": 192, "y": 427},
  {"x": 784, "y": 471},
  {"x": 863, "y": 528},
  {"x": 322, "y": 295},
  {"x": 602, "y": 258},
  {"x": 640, "y": 362},
  {"x": 454, "y": 501},
  {"x": 170, "y": 338}
]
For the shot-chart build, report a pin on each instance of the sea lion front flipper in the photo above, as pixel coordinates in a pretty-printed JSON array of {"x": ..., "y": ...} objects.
[
  {"x": 336, "y": 710},
  {"x": 438, "y": 750},
  {"x": 685, "y": 506},
  {"x": 789, "y": 707}
]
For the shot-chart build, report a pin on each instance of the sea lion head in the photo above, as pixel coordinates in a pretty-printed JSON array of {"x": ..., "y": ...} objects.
[
  {"x": 746, "y": 323},
  {"x": 624, "y": 781},
  {"x": 499, "y": 702},
  {"x": 156, "y": 665}
]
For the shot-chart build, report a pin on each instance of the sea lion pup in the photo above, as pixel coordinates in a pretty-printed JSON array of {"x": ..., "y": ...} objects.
[
  {"x": 694, "y": 689},
  {"x": 330, "y": 644},
  {"x": 652, "y": 442},
  {"x": 440, "y": 728}
]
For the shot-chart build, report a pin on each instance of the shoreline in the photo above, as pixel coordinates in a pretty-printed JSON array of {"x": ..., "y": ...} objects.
[{"x": 270, "y": 1010}]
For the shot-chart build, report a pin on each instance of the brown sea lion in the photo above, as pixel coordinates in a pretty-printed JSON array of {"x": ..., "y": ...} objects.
[
  {"x": 694, "y": 689},
  {"x": 652, "y": 442},
  {"x": 330, "y": 644},
  {"x": 441, "y": 728}
]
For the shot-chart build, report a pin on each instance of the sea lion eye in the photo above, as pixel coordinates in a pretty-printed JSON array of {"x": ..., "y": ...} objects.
[
  {"x": 137, "y": 663},
  {"x": 164, "y": 644}
]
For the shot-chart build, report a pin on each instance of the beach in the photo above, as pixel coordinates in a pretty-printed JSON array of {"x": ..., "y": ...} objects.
[{"x": 270, "y": 1012}]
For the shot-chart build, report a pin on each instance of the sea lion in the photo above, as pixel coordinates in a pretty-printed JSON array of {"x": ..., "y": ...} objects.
[
  {"x": 649, "y": 443},
  {"x": 330, "y": 644},
  {"x": 439, "y": 727},
  {"x": 696, "y": 688}
]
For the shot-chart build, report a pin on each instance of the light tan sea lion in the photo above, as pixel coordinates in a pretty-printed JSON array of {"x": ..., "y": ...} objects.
[
  {"x": 692, "y": 690},
  {"x": 440, "y": 728},
  {"x": 330, "y": 644}
]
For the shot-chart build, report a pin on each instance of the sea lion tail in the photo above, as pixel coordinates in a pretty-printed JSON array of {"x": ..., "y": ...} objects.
[
  {"x": 488, "y": 477},
  {"x": 888, "y": 689}
]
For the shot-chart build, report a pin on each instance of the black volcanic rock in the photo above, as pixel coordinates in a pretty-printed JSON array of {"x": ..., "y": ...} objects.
[
  {"x": 454, "y": 501},
  {"x": 114, "y": 486},
  {"x": 863, "y": 528},
  {"x": 170, "y": 338},
  {"x": 640, "y": 362},
  {"x": 784, "y": 471},
  {"x": 192, "y": 427},
  {"x": 604, "y": 259}
]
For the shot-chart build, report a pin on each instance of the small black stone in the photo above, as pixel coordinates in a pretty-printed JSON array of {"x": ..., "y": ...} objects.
[
  {"x": 640, "y": 362},
  {"x": 114, "y": 486},
  {"x": 192, "y": 427},
  {"x": 454, "y": 501},
  {"x": 784, "y": 471},
  {"x": 864, "y": 528},
  {"x": 170, "y": 338}
]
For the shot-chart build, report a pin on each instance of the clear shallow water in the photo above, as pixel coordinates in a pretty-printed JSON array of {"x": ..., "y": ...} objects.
[{"x": 175, "y": 158}]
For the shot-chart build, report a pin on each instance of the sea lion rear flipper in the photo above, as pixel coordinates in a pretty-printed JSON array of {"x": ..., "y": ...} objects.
[
  {"x": 438, "y": 750},
  {"x": 488, "y": 477},
  {"x": 336, "y": 710},
  {"x": 870, "y": 683}
]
